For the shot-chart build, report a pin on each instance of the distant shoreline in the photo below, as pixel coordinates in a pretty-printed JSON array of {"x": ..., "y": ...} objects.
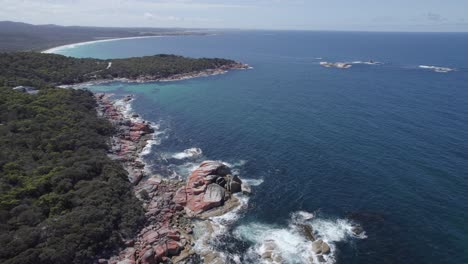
[{"x": 68, "y": 46}]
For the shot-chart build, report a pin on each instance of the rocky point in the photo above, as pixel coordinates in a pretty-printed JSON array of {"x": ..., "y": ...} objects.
[{"x": 170, "y": 205}]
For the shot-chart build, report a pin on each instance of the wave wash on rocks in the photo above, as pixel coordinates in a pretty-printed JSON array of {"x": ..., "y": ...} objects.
[{"x": 170, "y": 204}]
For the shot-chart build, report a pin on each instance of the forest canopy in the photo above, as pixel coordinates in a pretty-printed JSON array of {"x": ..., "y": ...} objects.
[
  {"x": 62, "y": 199},
  {"x": 40, "y": 69}
]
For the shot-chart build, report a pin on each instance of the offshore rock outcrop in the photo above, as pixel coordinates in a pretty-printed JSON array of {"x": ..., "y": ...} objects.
[{"x": 170, "y": 205}]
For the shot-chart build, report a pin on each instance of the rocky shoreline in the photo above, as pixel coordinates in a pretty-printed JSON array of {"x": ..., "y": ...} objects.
[
  {"x": 175, "y": 77},
  {"x": 170, "y": 205}
]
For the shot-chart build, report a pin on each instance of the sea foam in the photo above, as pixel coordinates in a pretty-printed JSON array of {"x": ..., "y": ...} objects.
[
  {"x": 188, "y": 153},
  {"x": 277, "y": 244},
  {"x": 437, "y": 69}
]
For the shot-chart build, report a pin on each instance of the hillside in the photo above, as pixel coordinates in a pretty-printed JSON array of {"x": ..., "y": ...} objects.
[{"x": 16, "y": 36}]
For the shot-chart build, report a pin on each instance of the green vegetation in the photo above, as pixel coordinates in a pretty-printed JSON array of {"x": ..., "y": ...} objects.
[
  {"x": 39, "y": 70},
  {"x": 62, "y": 200}
]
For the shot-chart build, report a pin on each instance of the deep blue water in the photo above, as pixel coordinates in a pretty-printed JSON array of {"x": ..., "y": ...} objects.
[{"x": 383, "y": 145}]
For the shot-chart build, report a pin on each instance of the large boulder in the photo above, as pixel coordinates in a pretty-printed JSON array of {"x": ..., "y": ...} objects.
[
  {"x": 148, "y": 257},
  {"x": 214, "y": 194},
  {"x": 200, "y": 192},
  {"x": 207, "y": 187},
  {"x": 234, "y": 184},
  {"x": 213, "y": 167}
]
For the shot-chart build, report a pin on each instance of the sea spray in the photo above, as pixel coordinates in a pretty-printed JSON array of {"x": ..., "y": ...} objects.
[
  {"x": 277, "y": 244},
  {"x": 188, "y": 154}
]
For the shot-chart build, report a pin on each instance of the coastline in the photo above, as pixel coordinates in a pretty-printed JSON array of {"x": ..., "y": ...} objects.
[
  {"x": 73, "y": 45},
  {"x": 176, "y": 77},
  {"x": 76, "y": 44},
  {"x": 171, "y": 206}
]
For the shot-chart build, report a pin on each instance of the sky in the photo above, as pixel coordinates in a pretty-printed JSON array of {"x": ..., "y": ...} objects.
[{"x": 353, "y": 15}]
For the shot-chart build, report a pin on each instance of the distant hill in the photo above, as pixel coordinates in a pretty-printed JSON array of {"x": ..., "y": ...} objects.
[{"x": 17, "y": 36}]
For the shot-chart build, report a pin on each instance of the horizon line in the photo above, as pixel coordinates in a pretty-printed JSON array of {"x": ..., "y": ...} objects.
[{"x": 238, "y": 29}]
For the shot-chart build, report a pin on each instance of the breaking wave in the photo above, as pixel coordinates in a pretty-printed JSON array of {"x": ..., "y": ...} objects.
[
  {"x": 188, "y": 153},
  {"x": 290, "y": 244},
  {"x": 209, "y": 234},
  {"x": 371, "y": 62},
  {"x": 437, "y": 69}
]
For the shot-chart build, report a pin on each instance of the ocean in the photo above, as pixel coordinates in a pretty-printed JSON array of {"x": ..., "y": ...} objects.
[{"x": 384, "y": 145}]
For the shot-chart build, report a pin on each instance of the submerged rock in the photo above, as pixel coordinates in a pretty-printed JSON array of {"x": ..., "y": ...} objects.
[
  {"x": 307, "y": 231},
  {"x": 357, "y": 230}
]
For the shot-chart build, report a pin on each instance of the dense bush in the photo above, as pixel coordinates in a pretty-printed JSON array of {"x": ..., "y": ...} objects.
[
  {"x": 62, "y": 200},
  {"x": 39, "y": 70}
]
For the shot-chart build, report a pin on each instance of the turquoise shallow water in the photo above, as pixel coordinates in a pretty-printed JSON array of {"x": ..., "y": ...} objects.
[{"x": 383, "y": 145}]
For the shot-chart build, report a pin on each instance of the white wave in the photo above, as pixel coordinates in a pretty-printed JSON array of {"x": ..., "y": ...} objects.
[
  {"x": 188, "y": 153},
  {"x": 371, "y": 62},
  {"x": 124, "y": 106},
  {"x": 275, "y": 244},
  {"x": 253, "y": 182},
  {"x": 437, "y": 69},
  {"x": 285, "y": 243},
  {"x": 74, "y": 45},
  {"x": 335, "y": 230},
  {"x": 301, "y": 216},
  {"x": 235, "y": 166},
  {"x": 207, "y": 232},
  {"x": 184, "y": 170}
]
